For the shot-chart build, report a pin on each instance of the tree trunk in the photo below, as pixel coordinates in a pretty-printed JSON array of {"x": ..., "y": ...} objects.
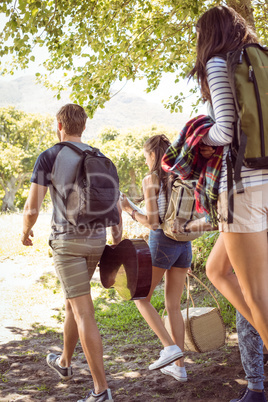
[
  {"x": 133, "y": 192},
  {"x": 244, "y": 8},
  {"x": 10, "y": 193},
  {"x": 8, "y": 201}
]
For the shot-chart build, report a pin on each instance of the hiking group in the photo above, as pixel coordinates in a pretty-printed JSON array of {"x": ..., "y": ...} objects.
[{"x": 226, "y": 153}]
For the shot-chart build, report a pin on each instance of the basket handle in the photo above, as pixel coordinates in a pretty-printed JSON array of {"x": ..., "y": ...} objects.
[
  {"x": 189, "y": 295},
  {"x": 190, "y": 274},
  {"x": 163, "y": 313}
]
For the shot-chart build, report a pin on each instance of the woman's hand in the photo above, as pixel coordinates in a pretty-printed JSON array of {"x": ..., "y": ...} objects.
[
  {"x": 125, "y": 204},
  {"x": 206, "y": 150},
  {"x": 197, "y": 225},
  {"x": 177, "y": 226}
]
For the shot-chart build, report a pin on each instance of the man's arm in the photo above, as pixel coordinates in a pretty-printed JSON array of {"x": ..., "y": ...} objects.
[
  {"x": 31, "y": 211},
  {"x": 117, "y": 230}
]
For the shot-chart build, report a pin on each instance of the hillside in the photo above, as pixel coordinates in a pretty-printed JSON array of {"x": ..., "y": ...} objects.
[{"x": 122, "y": 111}]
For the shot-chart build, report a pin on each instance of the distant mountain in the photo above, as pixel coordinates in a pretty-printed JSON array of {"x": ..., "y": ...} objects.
[{"x": 122, "y": 111}]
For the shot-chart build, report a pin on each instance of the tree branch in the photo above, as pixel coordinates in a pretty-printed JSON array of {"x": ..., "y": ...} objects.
[{"x": 48, "y": 23}]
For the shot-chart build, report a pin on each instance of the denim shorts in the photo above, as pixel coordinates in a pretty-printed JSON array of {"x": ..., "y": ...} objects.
[
  {"x": 75, "y": 261},
  {"x": 167, "y": 253}
]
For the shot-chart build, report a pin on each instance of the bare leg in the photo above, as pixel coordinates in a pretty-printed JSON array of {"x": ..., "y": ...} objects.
[
  {"x": 90, "y": 338},
  {"x": 175, "y": 279},
  {"x": 70, "y": 336},
  {"x": 220, "y": 273},
  {"x": 149, "y": 312},
  {"x": 248, "y": 254}
]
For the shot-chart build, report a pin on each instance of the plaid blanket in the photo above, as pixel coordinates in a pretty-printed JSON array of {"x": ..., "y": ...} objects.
[{"x": 183, "y": 158}]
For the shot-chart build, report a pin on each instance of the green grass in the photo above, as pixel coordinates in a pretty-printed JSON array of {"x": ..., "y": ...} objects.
[
  {"x": 114, "y": 314},
  {"x": 49, "y": 280}
]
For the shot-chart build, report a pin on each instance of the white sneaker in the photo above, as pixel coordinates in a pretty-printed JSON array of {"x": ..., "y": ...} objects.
[
  {"x": 175, "y": 371},
  {"x": 166, "y": 357}
]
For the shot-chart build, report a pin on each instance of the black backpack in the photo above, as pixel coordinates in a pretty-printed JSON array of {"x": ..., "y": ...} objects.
[{"x": 92, "y": 198}]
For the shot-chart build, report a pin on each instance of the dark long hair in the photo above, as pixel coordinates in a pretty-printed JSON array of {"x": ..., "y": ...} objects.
[
  {"x": 158, "y": 144},
  {"x": 220, "y": 30}
]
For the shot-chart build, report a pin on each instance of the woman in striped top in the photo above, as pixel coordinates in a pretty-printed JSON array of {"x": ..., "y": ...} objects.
[
  {"x": 219, "y": 31},
  {"x": 169, "y": 257}
]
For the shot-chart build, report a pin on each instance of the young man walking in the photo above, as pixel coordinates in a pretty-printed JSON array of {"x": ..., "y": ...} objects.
[{"x": 76, "y": 249}]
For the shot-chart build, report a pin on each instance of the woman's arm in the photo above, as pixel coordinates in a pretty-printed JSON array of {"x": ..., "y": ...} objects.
[
  {"x": 150, "y": 187},
  {"x": 221, "y": 133}
]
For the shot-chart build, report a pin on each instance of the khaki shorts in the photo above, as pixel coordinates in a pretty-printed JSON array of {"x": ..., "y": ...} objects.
[
  {"x": 75, "y": 262},
  {"x": 250, "y": 210}
]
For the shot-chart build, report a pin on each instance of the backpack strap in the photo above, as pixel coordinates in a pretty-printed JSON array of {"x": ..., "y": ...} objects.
[
  {"x": 94, "y": 151},
  {"x": 237, "y": 177},
  {"x": 230, "y": 193},
  {"x": 239, "y": 163}
]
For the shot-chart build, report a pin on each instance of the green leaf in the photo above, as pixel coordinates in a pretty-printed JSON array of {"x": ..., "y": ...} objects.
[{"x": 35, "y": 12}]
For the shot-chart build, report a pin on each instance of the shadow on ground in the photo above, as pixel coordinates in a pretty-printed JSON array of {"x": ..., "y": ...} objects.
[{"x": 25, "y": 376}]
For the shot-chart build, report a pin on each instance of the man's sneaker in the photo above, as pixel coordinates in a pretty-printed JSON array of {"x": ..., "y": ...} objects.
[
  {"x": 166, "y": 357},
  {"x": 177, "y": 372},
  {"x": 65, "y": 373},
  {"x": 104, "y": 396},
  {"x": 250, "y": 396}
]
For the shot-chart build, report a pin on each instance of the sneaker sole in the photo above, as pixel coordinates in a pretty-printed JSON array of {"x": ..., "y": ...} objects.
[
  {"x": 166, "y": 362},
  {"x": 65, "y": 378},
  {"x": 180, "y": 379}
]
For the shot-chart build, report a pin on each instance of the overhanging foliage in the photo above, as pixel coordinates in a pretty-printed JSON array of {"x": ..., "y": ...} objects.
[{"x": 96, "y": 43}]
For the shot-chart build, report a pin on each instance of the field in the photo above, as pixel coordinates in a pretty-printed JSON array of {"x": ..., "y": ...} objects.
[{"x": 32, "y": 316}]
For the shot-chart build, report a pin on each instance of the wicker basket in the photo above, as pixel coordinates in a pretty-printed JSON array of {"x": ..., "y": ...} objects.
[{"x": 204, "y": 327}]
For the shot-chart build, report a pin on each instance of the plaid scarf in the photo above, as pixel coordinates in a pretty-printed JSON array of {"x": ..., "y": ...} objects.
[{"x": 184, "y": 159}]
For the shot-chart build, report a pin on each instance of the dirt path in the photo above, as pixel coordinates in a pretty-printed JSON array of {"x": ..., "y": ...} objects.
[
  {"x": 18, "y": 279},
  {"x": 26, "y": 306}
]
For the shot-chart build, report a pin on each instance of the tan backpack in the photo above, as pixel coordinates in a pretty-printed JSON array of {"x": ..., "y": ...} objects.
[{"x": 182, "y": 206}]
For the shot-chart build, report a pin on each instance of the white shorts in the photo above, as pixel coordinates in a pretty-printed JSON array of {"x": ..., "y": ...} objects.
[{"x": 250, "y": 210}]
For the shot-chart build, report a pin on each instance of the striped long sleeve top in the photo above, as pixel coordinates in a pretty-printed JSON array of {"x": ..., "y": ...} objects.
[{"x": 222, "y": 111}]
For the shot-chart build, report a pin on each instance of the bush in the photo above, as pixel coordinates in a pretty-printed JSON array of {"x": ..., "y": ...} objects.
[{"x": 202, "y": 247}]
